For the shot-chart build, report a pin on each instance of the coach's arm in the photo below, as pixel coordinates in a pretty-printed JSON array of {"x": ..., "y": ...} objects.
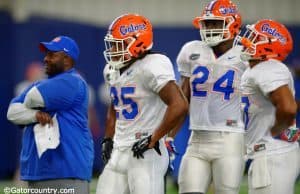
[
  {"x": 19, "y": 114},
  {"x": 24, "y": 113}
]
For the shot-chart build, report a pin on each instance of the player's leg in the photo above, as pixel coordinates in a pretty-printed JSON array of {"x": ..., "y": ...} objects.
[
  {"x": 195, "y": 171},
  {"x": 280, "y": 176},
  {"x": 114, "y": 179},
  {"x": 112, "y": 182},
  {"x": 228, "y": 169},
  {"x": 146, "y": 175},
  {"x": 288, "y": 169},
  {"x": 194, "y": 175}
]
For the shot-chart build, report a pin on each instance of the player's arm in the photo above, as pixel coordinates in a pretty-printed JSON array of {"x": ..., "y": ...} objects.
[
  {"x": 185, "y": 86},
  {"x": 177, "y": 108},
  {"x": 110, "y": 122},
  {"x": 169, "y": 141},
  {"x": 185, "y": 89},
  {"x": 184, "y": 67},
  {"x": 107, "y": 142},
  {"x": 286, "y": 109}
]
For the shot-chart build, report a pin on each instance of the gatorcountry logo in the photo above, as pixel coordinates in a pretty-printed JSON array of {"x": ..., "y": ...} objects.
[
  {"x": 272, "y": 31},
  {"x": 131, "y": 28}
]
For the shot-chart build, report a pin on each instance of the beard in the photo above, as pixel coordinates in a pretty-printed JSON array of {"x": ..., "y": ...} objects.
[{"x": 54, "y": 69}]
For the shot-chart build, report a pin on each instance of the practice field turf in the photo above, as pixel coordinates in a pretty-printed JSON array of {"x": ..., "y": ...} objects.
[{"x": 171, "y": 189}]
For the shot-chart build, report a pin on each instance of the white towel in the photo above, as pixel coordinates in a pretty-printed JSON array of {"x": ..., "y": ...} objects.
[
  {"x": 261, "y": 176},
  {"x": 46, "y": 137}
]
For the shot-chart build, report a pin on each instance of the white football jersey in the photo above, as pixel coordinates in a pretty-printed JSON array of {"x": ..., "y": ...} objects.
[
  {"x": 214, "y": 83},
  {"x": 135, "y": 98},
  {"x": 259, "y": 112}
]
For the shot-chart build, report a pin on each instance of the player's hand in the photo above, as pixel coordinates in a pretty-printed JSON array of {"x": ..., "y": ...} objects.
[
  {"x": 142, "y": 145},
  {"x": 291, "y": 134},
  {"x": 107, "y": 147},
  {"x": 169, "y": 142},
  {"x": 43, "y": 118}
]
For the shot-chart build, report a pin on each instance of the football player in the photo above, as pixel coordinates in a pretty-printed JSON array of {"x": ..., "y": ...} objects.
[
  {"x": 146, "y": 105},
  {"x": 211, "y": 70},
  {"x": 269, "y": 109}
]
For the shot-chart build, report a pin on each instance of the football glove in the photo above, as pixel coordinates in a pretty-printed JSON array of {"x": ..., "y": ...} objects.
[
  {"x": 142, "y": 145},
  {"x": 107, "y": 146},
  {"x": 291, "y": 134},
  {"x": 169, "y": 142}
]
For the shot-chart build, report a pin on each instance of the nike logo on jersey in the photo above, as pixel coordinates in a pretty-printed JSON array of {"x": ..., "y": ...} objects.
[
  {"x": 194, "y": 56},
  {"x": 66, "y": 50},
  {"x": 129, "y": 72},
  {"x": 231, "y": 57}
]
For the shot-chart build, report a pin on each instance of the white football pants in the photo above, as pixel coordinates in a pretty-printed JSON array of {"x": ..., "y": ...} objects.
[
  {"x": 274, "y": 174},
  {"x": 125, "y": 174},
  {"x": 212, "y": 156}
]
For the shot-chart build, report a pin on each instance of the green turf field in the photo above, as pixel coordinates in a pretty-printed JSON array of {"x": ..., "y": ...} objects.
[{"x": 171, "y": 189}]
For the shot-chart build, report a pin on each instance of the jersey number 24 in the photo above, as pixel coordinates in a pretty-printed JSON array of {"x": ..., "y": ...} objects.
[{"x": 222, "y": 85}]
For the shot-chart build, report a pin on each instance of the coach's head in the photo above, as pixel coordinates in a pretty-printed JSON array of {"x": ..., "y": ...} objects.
[{"x": 61, "y": 54}]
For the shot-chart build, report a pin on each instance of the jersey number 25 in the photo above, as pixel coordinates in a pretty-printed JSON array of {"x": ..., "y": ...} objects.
[{"x": 124, "y": 96}]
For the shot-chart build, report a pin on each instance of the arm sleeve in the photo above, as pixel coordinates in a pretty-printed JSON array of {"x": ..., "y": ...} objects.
[
  {"x": 34, "y": 99},
  {"x": 269, "y": 79},
  {"x": 19, "y": 114},
  {"x": 60, "y": 93},
  {"x": 182, "y": 61},
  {"x": 159, "y": 73}
]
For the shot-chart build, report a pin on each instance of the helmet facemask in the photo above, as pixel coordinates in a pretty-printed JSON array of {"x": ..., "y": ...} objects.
[
  {"x": 117, "y": 51},
  {"x": 266, "y": 39},
  {"x": 224, "y": 12},
  {"x": 251, "y": 40},
  {"x": 214, "y": 36}
]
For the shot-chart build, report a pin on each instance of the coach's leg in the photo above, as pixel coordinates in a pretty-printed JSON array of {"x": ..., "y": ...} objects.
[{"x": 228, "y": 169}]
